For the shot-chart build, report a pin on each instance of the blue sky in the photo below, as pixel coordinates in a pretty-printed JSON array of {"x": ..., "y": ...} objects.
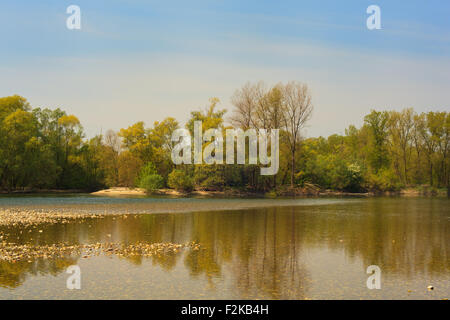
[{"x": 146, "y": 60}]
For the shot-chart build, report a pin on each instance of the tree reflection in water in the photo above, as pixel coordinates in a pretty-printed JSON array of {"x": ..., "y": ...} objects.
[{"x": 263, "y": 251}]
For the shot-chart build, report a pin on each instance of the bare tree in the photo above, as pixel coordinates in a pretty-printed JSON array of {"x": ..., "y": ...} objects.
[
  {"x": 112, "y": 140},
  {"x": 287, "y": 107},
  {"x": 244, "y": 102},
  {"x": 111, "y": 157},
  {"x": 247, "y": 101},
  {"x": 297, "y": 110}
]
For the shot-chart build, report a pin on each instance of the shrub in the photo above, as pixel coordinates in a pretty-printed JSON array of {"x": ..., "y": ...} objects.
[
  {"x": 149, "y": 179},
  {"x": 209, "y": 177},
  {"x": 354, "y": 178},
  {"x": 384, "y": 180},
  {"x": 151, "y": 182},
  {"x": 179, "y": 180}
]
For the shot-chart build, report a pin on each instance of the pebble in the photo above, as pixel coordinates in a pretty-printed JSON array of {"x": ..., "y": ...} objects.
[
  {"x": 26, "y": 252},
  {"x": 31, "y": 217}
]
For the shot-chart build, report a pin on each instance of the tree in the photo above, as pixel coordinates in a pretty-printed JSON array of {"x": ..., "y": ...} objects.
[
  {"x": 297, "y": 110},
  {"x": 160, "y": 138},
  {"x": 207, "y": 176},
  {"x": 18, "y": 128},
  {"x": 91, "y": 164},
  {"x": 11, "y": 104},
  {"x": 129, "y": 168},
  {"x": 377, "y": 123},
  {"x": 135, "y": 139},
  {"x": 70, "y": 135},
  {"x": 429, "y": 140},
  {"x": 110, "y": 157},
  {"x": 286, "y": 107},
  {"x": 179, "y": 180},
  {"x": 401, "y": 125},
  {"x": 44, "y": 148},
  {"x": 245, "y": 101},
  {"x": 438, "y": 132},
  {"x": 149, "y": 179},
  {"x": 418, "y": 145},
  {"x": 210, "y": 117}
]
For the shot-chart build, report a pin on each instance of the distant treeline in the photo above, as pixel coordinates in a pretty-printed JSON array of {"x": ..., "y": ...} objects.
[{"x": 47, "y": 149}]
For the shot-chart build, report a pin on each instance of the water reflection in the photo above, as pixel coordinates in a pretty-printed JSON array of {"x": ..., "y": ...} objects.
[{"x": 271, "y": 253}]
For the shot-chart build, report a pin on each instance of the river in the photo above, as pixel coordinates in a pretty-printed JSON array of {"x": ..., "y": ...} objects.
[{"x": 244, "y": 248}]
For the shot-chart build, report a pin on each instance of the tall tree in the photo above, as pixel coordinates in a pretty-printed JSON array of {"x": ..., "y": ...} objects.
[
  {"x": 297, "y": 107},
  {"x": 110, "y": 157},
  {"x": 377, "y": 122},
  {"x": 401, "y": 126}
]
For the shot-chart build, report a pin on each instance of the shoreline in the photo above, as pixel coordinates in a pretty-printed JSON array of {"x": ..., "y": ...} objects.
[
  {"x": 306, "y": 192},
  {"x": 44, "y": 191},
  {"x": 123, "y": 191},
  {"x": 120, "y": 191}
]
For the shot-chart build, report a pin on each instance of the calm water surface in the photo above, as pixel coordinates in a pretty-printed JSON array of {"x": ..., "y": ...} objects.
[{"x": 262, "y": 249}]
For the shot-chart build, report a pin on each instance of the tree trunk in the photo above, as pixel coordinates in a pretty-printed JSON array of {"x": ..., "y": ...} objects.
[
  {"x": 418, "y": 175},
  {"x": 405, "y": 161},
  {"x": 285, "y": 175},
  {"x": 431, "y": 173},
  {"x": 292, "y": 167},
  {"x": 444, "y": 172},
  {"x": 448, "y": 186}
]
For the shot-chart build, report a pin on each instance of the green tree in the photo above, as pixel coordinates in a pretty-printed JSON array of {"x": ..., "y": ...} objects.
[
  {"x": 160, "y": 138},
  {"x": 11, "y": 104},
  {"x": 179, "y": 180},
  {"x": 149, "y": 179},
  {"x": 401, "y": 127},
  {"x": 377, "y": 123},
  {"x": 18, "y": 128},
  {"x": 135, "y": 139}
]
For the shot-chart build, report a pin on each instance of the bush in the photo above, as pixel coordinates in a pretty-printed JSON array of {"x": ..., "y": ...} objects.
[
  {"x": 151, "y": 183},
  {"x": 331, "y": 172},
  {"x": 384, "y": 180},
  {"x": 180, "y": 181},
  {"x": 354, "y": 178},
  {"x": 149, "y": 179},
  {"x": 209, "y": 177}
]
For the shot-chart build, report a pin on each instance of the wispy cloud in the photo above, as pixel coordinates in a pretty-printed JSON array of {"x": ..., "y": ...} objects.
[{"x": 129, "y": 65}]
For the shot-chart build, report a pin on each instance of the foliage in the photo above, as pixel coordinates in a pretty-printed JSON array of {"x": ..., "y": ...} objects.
[
  {"x": 151, "y": 182},
  {"x": 149, "y": 179},
  {"x": 209, "y": 177},
  {"x": 179, "y": 180},
  {"x": 47, "y": 149}
]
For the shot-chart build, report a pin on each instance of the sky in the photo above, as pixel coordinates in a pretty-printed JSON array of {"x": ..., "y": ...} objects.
[{"x": 146, "y": 60}]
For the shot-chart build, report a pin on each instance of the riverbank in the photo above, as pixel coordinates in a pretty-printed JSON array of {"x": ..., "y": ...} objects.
[
  {"x": 285, "y": 191},
  {"x": 114, "y": 192},
  {"x": 281, "y": 192},
  {"x": 120, "y": 191},
  {"x": 43, "y": 191}
]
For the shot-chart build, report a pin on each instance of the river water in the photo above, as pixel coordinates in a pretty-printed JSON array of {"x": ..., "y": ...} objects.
[{"x": 248, "y": 248}]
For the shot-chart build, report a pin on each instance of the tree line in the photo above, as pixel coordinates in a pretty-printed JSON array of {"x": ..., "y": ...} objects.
[{"x": 47, "y": 149}]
